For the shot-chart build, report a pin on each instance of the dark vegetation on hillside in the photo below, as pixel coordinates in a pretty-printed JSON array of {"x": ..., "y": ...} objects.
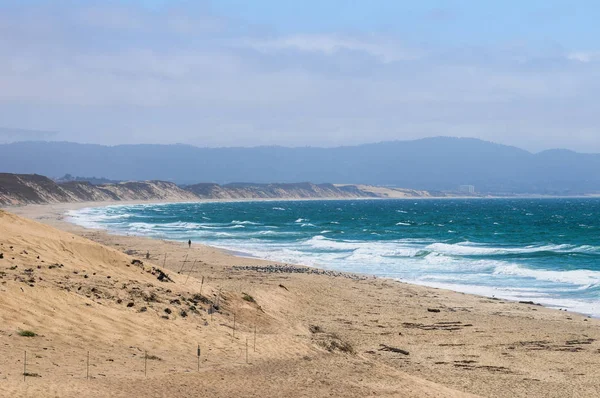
[{"x": 433, "y": 164}]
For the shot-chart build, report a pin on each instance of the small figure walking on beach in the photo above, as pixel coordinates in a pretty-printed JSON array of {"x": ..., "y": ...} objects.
[{"x": 189, "y": 243}]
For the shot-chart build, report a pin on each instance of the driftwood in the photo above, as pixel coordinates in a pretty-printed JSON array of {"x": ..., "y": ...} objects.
[
  {"x": 392, "y": 349},
  {"x": 530, "y": 303}
]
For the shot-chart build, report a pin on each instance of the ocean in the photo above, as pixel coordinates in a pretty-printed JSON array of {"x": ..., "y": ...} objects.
[{"x": 541, "y": 250}]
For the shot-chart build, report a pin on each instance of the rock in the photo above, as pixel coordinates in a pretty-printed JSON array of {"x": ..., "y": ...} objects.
[
  {"x": 162, "y": 276},
  {"x": 143, "y": 309},
  {"x": 315, "y": 329},
  {"x": 168, "y": 310},
  {"x": 1, "y": 255},
  {"x": 183, "y": 313},
  {"x": 433, "y": 310},
  {"x": 130, "y": 304},
  {"x": 198, "y": 298}
]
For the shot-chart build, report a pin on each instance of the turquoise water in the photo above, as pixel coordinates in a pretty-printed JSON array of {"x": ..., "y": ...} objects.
[{"x": 545, "y": 250}]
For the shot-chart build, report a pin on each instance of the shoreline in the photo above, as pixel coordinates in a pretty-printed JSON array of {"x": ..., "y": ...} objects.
[
  {"x": 491, "y": 292},
  {"x": 41, "y": 211},
  {"x": 92, "y": 204},
  {"x": 459, "y": 343}
]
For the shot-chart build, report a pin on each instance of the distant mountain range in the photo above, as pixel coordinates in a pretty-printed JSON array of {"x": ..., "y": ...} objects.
[{"x": 433, "y": 164}]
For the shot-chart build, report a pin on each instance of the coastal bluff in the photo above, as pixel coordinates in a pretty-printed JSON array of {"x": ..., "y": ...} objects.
[{"x": 24, "y": 189}]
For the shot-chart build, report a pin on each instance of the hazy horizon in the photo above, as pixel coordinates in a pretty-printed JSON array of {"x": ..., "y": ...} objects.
[
  {"x": 323, "y": 74},
  {"x": 199, "y": 146},
  {"x": 440, "y": 163}
]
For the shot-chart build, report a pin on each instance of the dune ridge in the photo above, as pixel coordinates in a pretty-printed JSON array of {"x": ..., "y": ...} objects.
[{"x": 78, "y": 296}]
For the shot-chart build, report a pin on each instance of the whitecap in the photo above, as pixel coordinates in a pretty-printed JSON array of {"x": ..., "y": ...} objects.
[{"x": 575, "y": 277}]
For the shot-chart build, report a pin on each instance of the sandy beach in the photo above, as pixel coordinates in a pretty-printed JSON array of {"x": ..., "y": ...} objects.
[{"x": 278, "y": 330}]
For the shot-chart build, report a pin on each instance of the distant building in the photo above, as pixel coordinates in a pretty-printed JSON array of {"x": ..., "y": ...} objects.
[{"x": 470, "y": 189}]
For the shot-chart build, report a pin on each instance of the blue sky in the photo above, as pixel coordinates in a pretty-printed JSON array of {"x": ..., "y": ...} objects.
[
  {"x": 321, "y": 73},
  {"x": 458, "y": 22}
]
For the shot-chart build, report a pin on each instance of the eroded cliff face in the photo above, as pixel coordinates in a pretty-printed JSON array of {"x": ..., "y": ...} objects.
[
  {"x": 17, "y": 189},
  {"x": 22, "y": 189},
  {"x": 304, "y": 190}
]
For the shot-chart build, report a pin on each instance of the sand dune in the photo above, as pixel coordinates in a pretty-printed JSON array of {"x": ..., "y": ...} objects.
[{"x": 75, "y": 295}]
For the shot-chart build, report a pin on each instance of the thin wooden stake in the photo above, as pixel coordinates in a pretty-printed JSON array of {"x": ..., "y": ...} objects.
[
  {"x": 25, "y": 366},
  {"x": 255, "y": 337},
  {"x": 145, "y": 363},
  {"x": 198, "y": 357},
  {"x": 190, "y": 273},
  {"x": 183, "y": 264},
  {"x": 165, "y": 260},
  {"x": 201, "y": 284},
  {"x": 246, "y": 350},
  {"x": 87, "y": 369},
  {"x": 233, "y": 335}
]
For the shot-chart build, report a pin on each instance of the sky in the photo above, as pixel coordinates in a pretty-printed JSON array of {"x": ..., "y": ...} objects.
[{"x": 301, "y": 73}]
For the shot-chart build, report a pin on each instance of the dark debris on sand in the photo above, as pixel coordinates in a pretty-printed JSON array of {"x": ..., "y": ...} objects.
[{"x": 292, "y": 269}]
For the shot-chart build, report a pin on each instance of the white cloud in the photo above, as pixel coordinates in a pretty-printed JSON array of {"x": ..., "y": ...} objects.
[
  {"x": 582, "y": 56},
  {"x": 384, "y": 49},
  {"x": 113, "y": 74}
]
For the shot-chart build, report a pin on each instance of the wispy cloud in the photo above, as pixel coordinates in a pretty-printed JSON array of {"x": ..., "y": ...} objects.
[
  {"x": 583, "y": 56},
  {"x": 383, "y": 49},
  {"x": 122, "y": 73}
]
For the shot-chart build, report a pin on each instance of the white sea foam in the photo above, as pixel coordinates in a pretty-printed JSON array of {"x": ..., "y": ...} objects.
[
  {"x": 575, "y": 277},
  {"x": 463, "y": 249},
  {"x": 236, "y": 222},
  {"x": 582, "y": 306}
]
